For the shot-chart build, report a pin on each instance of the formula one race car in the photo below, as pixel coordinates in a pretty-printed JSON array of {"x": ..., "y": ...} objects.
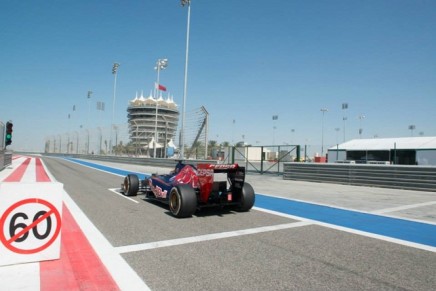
[{"x": 189, "y": 188}]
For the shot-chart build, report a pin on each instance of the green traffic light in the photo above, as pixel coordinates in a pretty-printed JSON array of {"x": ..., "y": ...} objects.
[{"x": 8, "y": 137}]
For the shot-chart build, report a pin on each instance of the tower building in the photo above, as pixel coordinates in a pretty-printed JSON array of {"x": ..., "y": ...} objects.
[{"x": 149, "y": 118}]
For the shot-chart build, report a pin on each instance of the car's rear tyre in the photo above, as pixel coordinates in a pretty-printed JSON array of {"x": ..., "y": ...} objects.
[
  {"x": 182, "y": 201},
  {"x": 131, "y": 185},
  {"x": 247, "y": 198}
]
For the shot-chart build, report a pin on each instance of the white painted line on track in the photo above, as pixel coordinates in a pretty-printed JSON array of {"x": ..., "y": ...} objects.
[
  {"x": 124, "y": 196},
  {"x": 52, "y": 178},
  {"x": 207, "y": 237},
  {"x": 353, "y": 231},
  {"x": 121, "y": 272},
  {"x": 93, "y": 168},
  {"x": 404, "y": 207}
]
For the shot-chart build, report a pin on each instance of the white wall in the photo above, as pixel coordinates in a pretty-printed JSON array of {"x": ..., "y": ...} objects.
[
  {"x": 426, "y": 157},
  {"x": 341, "y": 156}
]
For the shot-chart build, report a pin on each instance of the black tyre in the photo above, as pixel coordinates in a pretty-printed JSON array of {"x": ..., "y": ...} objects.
[
  {"x": 182, "y": 201},
  {"x": 131, "y": 185},
  {"x": 247, "y": 198}
]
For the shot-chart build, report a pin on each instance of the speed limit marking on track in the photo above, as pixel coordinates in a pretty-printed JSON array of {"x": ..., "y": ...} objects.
[
  {"x": 30, "y": 226},
  {"x": 30, "y": 221}
]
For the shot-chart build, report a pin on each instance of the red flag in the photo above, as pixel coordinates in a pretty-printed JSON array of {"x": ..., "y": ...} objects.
[{"x": 161, "y": 87}]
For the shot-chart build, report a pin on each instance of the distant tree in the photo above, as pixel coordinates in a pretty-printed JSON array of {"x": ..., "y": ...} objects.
[
  {"x": 212, "y": 144},
  {"x": 225, "y": 144}
]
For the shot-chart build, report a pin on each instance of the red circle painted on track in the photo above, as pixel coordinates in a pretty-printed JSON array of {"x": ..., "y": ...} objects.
[{"x": 54, "y": 211}]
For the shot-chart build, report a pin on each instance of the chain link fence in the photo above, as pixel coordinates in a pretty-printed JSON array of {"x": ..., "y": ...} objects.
[
  {"x": 99, "y": 141},
  {"x": 260, "y": 159},
  {"x": 118, "y": 140}
]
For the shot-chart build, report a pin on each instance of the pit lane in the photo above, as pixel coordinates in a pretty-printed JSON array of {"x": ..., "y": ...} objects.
[{"x": 218, "y": 250}]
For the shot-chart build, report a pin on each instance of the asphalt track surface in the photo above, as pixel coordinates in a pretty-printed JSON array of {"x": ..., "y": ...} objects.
[{"x": 299, "y": 236}]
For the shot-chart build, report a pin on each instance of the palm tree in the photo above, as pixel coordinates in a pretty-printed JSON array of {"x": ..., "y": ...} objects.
[{"x": 225, "y": 144}]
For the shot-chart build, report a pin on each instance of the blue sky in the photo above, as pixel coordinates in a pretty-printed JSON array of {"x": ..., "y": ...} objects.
[{"x": 248, "y": 60}]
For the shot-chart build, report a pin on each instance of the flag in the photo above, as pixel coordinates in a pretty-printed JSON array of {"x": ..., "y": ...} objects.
[
  {"x": 275, "y": 117},
  {"x": 161, "y": 87}
]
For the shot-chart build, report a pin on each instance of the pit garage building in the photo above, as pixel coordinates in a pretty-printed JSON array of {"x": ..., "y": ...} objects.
[{"x": 400, "y": 151}]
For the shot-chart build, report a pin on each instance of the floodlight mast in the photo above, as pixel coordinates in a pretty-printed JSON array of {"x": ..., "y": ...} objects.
[
  {"x": 323, "y": 110},
  {"x": 114, "y": 72},
  {"x": 185, "y": 87}
]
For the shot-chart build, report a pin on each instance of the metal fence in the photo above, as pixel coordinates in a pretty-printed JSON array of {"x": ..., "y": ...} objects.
[
  {"x": 261, "y": 159},
  {"x": 99, "y": 141},
  {"x": 117, "y": 140}
]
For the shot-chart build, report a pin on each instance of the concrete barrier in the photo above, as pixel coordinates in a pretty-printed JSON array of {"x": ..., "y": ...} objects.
[{"x": 5, "y": 159}]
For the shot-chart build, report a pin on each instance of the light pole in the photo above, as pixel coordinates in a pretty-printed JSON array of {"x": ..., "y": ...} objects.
[
  {"x": 323, "y": 110},
  {"x": 274, "y": 118},
  {"x": 361, "y": 116},
  {"x": 114, "y": 72},
  {"x": 87, "y": 141},
  {"x": 161, "y": 64},
  {"x": 185, "y": 87},
  {"x": 344, "y": 119},
  {"x": 412, "y": 128},
  {"x": 77, "y": 141},
  {"x": 274, "y": 135},
  {"x": 101, "y": 137},
  {"x": 344, "y": 107},
  {"x": 337, "y": 129},
  {"x": 89, "y": 107}
]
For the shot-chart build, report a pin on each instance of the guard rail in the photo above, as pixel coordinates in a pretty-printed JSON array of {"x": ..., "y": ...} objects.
[{"x": 389, "y": 176}]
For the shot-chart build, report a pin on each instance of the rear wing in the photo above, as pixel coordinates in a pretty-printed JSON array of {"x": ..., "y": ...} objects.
[{"x": 205, "y": 173}]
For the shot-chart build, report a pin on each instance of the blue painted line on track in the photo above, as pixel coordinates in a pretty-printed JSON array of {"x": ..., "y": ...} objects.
[
  {"x": 412, "y": 231},
  {"x": 407, "y": 230},
  {"x": 121, "y": 172}
]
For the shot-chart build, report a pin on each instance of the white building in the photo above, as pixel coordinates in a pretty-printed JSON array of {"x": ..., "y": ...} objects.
[{"x": 402, "y": 151}]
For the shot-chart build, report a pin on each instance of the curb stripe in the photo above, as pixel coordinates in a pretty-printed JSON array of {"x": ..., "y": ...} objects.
[
  {"x": 18, "y": 173},
  {"x": 41, "y": 174},
  {"x": 79, "y": 267}
]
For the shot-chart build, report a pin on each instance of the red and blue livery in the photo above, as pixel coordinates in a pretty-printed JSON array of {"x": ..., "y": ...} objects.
[{"x": 189, "y": 188}]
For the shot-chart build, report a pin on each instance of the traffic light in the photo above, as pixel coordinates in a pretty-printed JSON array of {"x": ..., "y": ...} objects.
[{"x": 8, "y": 139}]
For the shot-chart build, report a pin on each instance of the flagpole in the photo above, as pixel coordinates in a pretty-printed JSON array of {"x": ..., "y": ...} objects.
[
  {"x": 182, "y": 131},
  {"x": 161, "y": 64}
]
